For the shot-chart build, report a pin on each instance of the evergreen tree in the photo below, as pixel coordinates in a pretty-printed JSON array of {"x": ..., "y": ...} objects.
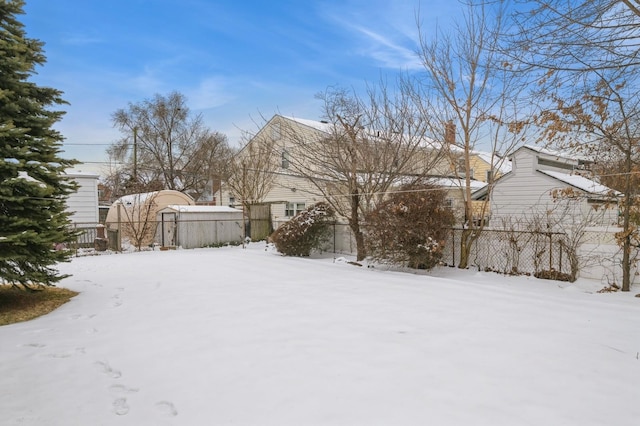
[{"x": 33, "y": 188}]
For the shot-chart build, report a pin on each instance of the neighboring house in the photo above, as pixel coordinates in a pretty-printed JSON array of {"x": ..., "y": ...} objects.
[
  {"x": 539, "y": 180},
  {"x": 292, "y": 193},
  {"x": 454, "y": 188},
  {"x": 487, "y": 167},
  {"x": 83, "y": 204}
]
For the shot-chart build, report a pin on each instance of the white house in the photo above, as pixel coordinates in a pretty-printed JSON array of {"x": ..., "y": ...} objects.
[
  {"x": 542, "y": 183},
  {"x": 83, "y": 204},
  {"x": 292, "y": 193}
]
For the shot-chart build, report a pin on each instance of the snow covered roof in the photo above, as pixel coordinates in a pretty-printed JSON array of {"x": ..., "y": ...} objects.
[
  {"x": 80, "y": 173},
  {"x": 203, "y": 209},
  {"x": 555, "y": 153},
  {"x": 143, "y": 197},
  {"x": 581, "y": 182},
  {"x": 451, "y": 182},
  {"x": 328, "y": 128},
  {"x": 318, "y": 125},
  {"x": 502, "y": 165}
]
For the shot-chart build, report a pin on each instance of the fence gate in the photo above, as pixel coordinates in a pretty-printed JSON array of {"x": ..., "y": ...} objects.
[{"x": 260, "y": 221}]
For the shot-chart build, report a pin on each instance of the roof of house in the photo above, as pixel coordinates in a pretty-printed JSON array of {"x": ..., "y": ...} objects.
[
  {"x": 203, "y": 209},
  {"x": 580, "y": 182},
  {"x": 327, "y": 127},
  {"x": 566, "y": 155},
  {"x": 452, "y": 182},
  {"x": 73, "y": 173},
  {"x": 502, "y": 165},
  {"x": 323, "y": 126}
]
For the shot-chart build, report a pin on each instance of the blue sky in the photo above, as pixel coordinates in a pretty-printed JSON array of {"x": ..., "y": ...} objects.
[{"x": 234, "y": 60}]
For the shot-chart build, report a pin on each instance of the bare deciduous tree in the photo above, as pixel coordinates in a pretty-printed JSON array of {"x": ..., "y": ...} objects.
[
  {"x": 585, "y": 58},
  {"x": 252, "y": 171},
  {"x": 576, "y": 36},
  {"x": 139, "y": 219},
  {"x": 470, "y": 93},
  {"x": 371, "y": 146},
  {"x": 166, "y": 147}
]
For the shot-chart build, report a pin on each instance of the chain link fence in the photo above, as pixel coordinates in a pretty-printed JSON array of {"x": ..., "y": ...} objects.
[{"x": 513, "y": 252}]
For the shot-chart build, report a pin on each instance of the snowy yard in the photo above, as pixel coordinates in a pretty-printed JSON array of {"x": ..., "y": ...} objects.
[{"x": 247, "y": 337}]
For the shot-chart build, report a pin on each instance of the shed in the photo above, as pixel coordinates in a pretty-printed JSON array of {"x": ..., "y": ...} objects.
[
  {"x": 199, "y": 226},
  {"x": 134, "y": 216}
]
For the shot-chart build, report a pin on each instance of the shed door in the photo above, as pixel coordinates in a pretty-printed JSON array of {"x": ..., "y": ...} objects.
[{"x": 169, "y": 229}]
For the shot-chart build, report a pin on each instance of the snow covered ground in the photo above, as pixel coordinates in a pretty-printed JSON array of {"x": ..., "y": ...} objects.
[{"x": 231, "y": 336}]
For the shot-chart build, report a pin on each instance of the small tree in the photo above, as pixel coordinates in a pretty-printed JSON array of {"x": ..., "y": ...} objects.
[
  {"x": 566, "y": 215},
  {"x": 33, "y": 189},
  {"x": 305, "y": 232},
  {"x": 140, "y": 222},
  {"x": 410, "y": 227},
  {"x": 251, "y": 172}
]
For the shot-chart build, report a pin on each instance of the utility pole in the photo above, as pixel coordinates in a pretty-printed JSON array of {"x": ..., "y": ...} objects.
[{"x": 135, "y": 155}]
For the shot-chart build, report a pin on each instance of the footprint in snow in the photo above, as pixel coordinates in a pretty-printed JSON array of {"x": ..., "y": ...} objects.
[
  {"x": 78, "y": 316},
  {"x": 122, "y": 389},
  {"x": 120, "y": 406},
  {"x": 117, "y": 301},
  {"x": 68, "y": 354},
  {"x": 106, "y": 369},
  {"x": 167, "y": 408},
  {"x": 33, "y": 345}
]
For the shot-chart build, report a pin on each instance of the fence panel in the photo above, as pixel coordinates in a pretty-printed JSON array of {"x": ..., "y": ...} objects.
[
  {"x": 512, "y": 252},
  {"x": 186, "y": 233},
  {"x": 87, "y": 235}
]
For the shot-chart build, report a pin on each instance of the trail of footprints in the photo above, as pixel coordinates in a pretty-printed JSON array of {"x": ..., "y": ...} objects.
[{"x": 120, "y": 405}]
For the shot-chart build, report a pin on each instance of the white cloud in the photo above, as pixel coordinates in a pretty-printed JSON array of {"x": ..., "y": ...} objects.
[
  {"x": 80, "y": 39},
  {"x": 386, "y": 51},
  {"x": 212, "y": 92}
]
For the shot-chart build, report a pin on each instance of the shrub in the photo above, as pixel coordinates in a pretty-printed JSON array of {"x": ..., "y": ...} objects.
[
  {"x": 305, "y": 232},
  {"x": 410, "y": 227}
]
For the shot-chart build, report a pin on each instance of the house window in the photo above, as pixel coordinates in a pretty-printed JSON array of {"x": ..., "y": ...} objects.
[
  {"x": 556, "y": 164},
  {"x": 285, "y": 159},
  {"x": 448, "y": 203},
  {"x": 489, "y": 176},
  {"x": 293, "y": 209},
  {"x": 232, "y": 201}
]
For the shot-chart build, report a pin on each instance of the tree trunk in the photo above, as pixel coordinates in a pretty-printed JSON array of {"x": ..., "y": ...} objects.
[
  {"x": 354, "y": 223},
  {"x": 466, "y": 241},
  {"x": 361, "y": 251},
  {"x": 626, "y": 245}
]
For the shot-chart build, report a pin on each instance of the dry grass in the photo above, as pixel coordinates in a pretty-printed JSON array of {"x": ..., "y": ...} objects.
[{"x": 21, "y": 305}]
